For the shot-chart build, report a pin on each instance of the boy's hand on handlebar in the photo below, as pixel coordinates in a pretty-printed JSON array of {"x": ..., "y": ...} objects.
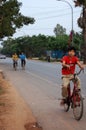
[{"x": 82, "y": 67}]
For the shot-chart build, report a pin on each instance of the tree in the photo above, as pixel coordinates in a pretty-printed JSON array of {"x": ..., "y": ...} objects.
[
  {"x": 59, "y": 30},
  {"x": 82, "y": 24},
  {"x": 79, "y": 2},
  {"x": 35, "y": 45},
  {"x": 11, "y": 18},
  {"x": 38, "y": 45}
]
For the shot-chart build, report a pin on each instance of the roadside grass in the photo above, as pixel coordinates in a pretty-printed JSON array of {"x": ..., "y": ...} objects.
[
  {"x": 2, "y": 77},
  {"x": 1, "y": 90},
  {"x": 1, "y": 93}
]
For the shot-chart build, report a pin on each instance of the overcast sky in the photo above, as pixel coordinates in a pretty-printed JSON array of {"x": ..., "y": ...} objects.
[{"x": 48, "y": 13}]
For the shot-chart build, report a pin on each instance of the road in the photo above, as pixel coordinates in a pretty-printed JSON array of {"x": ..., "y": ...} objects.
[{"x": 40, "y": 86}]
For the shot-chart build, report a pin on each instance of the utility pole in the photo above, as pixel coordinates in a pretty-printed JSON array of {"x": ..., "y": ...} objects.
[{"x": 71, "y": 33}]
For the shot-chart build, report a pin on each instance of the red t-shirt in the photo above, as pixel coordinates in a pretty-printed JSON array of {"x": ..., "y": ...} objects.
[{"x": 72, "y": 61}]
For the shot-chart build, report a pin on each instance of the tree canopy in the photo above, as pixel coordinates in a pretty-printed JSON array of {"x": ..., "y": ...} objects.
[
  {"x": 11, "y": 18},
  {"x": 59, "y": 30},
  {"x": 38, "y": 45},
  {"x": 80, "y": 2},
  {"x": 82, "y": 24}
]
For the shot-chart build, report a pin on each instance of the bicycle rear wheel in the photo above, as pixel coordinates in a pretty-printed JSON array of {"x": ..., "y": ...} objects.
[
  {"x": 78, "y": 106},
  {"x": 67, "y": 105}
]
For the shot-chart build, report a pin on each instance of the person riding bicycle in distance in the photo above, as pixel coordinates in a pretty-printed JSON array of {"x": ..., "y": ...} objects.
[
  {"x": 15, "y": 58},
  {"x": 68, "y": 69},
  {"x": 23, "y": 59}
]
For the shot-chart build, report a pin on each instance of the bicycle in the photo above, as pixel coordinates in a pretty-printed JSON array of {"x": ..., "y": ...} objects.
[
  {"x": 15, "y": 64},
  {"x": 75, "y": 100}
]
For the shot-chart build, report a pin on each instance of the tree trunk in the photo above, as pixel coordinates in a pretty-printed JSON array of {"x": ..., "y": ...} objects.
[{"x": 84, "y": 35}]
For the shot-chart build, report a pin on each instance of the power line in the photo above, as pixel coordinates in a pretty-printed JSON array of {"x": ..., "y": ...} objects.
[
  {"x": 39, "y": 29},
  {"x": 40, "y": 7},
  {"x": 44, "y": 18},
  {"x": 51, "y": 11}
]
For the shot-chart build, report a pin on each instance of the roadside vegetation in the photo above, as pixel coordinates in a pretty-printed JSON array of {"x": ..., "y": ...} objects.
[
  {"x": 36, "y": 46},
  {"x": 1, "y": 85},
  {"x": 2, "y": 91}
]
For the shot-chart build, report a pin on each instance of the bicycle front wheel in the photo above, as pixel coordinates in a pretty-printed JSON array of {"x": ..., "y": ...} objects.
[{"x": 78, "y": 106}]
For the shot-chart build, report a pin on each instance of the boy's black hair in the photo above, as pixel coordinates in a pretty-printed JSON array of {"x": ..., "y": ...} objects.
[{"x": 70, "y": 48}]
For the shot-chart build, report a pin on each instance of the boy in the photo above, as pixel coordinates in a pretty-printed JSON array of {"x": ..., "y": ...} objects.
[
  {"x": 15, "y": 59},
  {"x": 23, "y": 59},
  {"x": 68, "y": 68}
]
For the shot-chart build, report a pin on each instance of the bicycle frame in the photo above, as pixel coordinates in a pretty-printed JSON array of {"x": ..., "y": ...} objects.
[{"x": 75, "y": 89}]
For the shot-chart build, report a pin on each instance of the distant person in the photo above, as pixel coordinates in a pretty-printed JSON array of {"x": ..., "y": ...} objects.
[
  {"x": 23, "y": 60},
  {"x": 15, "y": 59}
]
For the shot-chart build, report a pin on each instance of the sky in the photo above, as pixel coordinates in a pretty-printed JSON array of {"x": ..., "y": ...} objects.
[{"x": 47, "y": 14}]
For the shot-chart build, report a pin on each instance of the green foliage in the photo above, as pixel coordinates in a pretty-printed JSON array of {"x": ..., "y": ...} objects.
[
  {"x": 80, "y": 2},
  {"x": 36, "y": 46},
  {"x": 11, "y": 18},
  {"x": 78, "y": 41},
  {"x": 59, "y": 30},
  {"x": 82, "y": 25}
]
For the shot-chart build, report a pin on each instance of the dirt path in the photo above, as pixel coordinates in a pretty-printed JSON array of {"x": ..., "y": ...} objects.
[{"x": 14, "y": 112}]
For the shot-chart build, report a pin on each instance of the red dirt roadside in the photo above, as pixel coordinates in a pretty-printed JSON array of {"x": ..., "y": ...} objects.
[{"x": 14, "y": 112}]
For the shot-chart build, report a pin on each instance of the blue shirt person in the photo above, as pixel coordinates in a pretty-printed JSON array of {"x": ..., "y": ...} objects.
[{"x": 23, "y": 59}]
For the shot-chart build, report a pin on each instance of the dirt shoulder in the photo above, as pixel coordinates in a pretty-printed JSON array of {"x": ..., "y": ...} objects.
[{"x": 15, "y": 114}]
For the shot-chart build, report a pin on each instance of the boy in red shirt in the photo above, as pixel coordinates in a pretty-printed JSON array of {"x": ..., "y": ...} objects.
[{"x": 68, "y": 68}]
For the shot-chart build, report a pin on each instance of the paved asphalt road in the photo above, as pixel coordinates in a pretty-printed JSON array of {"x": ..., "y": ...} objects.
[{"x": 40, "y": 86}]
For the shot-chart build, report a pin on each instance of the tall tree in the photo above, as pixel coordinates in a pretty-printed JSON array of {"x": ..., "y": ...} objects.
[
  {"x": 11, "y": 18},
  {"x": 59, "y": 30},
  {"x": 82, "y": 24}
]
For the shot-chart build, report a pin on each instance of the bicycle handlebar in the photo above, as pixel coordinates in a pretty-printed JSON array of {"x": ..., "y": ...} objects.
[{"x": 79, "y": 72}]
